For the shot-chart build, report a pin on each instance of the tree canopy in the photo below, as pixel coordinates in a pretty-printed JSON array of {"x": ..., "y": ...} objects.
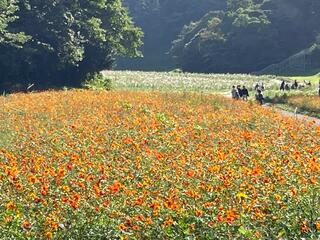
[
  {"x": 248, "y": 36},
  {"x": 7, "y": 15},
  {"x": 60, "y": 41}
]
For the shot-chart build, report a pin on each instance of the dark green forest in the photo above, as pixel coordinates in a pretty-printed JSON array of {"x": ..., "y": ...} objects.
[
  {"x": 162, "y": 21},
  {"x": 224, "y": 35},
  {"x": 59, "y": 42}
]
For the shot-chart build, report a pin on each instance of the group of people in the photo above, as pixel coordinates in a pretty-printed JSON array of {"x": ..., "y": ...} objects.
[
  {"x": 243, "y": 93},
  {"x": 284, "y": 86},
  {"x": 239, "y": 93}
]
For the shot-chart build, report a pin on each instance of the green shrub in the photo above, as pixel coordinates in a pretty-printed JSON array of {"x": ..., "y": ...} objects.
[{"x": 97, "y": 81}]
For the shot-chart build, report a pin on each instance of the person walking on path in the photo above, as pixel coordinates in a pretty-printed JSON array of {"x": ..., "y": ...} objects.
[
  {"x": 234, "y": 93},
  {"x": 256, "y": 87},
  {"x": 319, "y": 88},
  {"x": 239, "y": 90},
  {"x": 245, "y": 93},
  {"x": 282, "y": 86},
  {"x": 295, "y": 85},
  {"x": 259, "y": 97}
]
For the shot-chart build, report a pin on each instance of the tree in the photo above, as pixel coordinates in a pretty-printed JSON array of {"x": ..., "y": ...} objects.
[
  {"x": 8, "y": 9},
  {"x": 69, "y": 39}
]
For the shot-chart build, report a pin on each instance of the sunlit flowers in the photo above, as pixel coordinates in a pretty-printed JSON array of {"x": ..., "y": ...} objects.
[{"x": 148, "y": 165}]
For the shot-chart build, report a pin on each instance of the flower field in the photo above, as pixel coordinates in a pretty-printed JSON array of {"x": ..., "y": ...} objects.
[
  {"x": 187, "y": 81},
  {"x": 148, "y": 165},
  {"x": 310, "y": 104}
]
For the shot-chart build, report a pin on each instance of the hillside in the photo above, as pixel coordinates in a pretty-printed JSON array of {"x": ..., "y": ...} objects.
[
  {"x": 161, "y": 21},
  {"x": 248, "y": 36},
  {"x": 304, "y": 63}
]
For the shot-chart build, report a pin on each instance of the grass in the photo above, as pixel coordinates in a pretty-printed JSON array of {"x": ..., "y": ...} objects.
[
  {"x": 313, "y": 78},
  {"x": 308, "y": 104},
  {"x": 172, "y": 81},
  {"x": 306, "y": 101}
]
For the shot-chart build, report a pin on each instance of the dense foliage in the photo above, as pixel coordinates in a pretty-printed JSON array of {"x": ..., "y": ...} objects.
[
  {"x": 248, "y": 36},
  {"x": 161, "y": 22},
  {"x": 145, "y": 165},
  {"x": 62, "y": 41},
  {"x": 8, "y": 9}
]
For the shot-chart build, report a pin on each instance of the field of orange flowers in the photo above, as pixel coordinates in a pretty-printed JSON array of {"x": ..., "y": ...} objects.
[{"x": 145, "y": 165}]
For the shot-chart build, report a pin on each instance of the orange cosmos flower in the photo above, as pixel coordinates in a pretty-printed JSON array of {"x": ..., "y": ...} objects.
[
  {"x": 139, "y": 201},
  {"x": 247, "y": 135},
  {"x": 66, "y": 188},
  {"x": 10, "y": 205},
  {"x": 135, "y": 227},
  {"x": 231, "y": 216},
  {"x": 32, "y": 179},
  {"x": 26, "y": 224},
  {"x": 313, "y": 180},
  {"x": 19, "y": 186},
  {"x": 198, "y": 213},
  {"x": 115, "y": 187},
  {"x": 155, "y": 205},
  {"x": 318, "y": 225},
  {"x": 219, "y": 218},
  {"x": 168, "y": 222},
  {"x": 294, "y": 191},
  {"x": 49, "y": 235},
  {"x": 191, "y": 173},
  {"x": 74, "y": 204},
  {"x": 277, "y": 197},
  {"x": 122, "y": 227},
  {"x": 148, "y": 220},
  {"x": 106, "y": 203}
]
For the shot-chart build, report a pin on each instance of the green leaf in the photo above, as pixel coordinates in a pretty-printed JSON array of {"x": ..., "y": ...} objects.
[{"x": 244, "y": 231}]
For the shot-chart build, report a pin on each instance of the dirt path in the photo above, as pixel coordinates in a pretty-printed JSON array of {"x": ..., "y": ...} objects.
[{"x": 297, "y": 116}]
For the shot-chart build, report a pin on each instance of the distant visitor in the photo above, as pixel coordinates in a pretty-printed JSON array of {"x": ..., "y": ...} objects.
[
  {"x": 259, "y": 97},
  {"x": 245, "y": 93},
  {"x": 234, "y": 93},
  {"x": 282, "y": 85}
]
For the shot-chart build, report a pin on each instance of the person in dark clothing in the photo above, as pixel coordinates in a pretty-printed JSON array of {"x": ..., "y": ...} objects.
[
  {"x": 245, "y": 93},
  {"x": 295, "y": 85},
  {"x": 259, "y": 97},
  {"x": 239, "y": 91},
  {"x": 282, "y": 86}
]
